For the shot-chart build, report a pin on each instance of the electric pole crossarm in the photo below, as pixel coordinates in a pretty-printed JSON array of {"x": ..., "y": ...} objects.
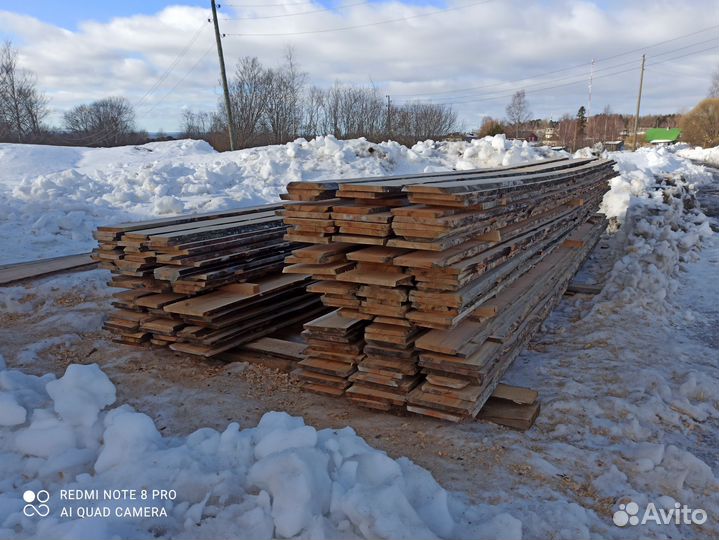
[{"x": 223, "y": 75}]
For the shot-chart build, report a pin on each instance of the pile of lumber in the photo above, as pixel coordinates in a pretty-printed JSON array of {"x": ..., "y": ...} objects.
[
  {"x": 334, "y": 348},
  {"x": 449, "y": 273},
  {"x": 463, "y": 365},
  {"x": 202, "y": 283}
]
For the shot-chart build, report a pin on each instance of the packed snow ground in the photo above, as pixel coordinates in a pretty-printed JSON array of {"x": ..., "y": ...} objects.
[
  {"x": 629, "y": 382},
  {"x": 52, "y": 198}
]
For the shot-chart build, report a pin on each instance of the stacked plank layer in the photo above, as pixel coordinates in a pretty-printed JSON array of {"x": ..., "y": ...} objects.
[
  {"x": 333, "y": 352},
  {"x": 451, "y": 272},
  {"x": 202, "y": 283}
]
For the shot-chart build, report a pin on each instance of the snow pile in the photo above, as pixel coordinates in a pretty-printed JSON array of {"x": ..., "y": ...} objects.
[
  {"x": 51, "y": 198},
  {"x": 705, "y": 155},
  {"x": 654, "y": 199},
  {"x": 628, "y": 378},
  {"x": 278, "y": 479}
]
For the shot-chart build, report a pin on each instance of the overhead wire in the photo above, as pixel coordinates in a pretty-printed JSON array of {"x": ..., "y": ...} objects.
[
  {"x": 561, "y": 70},
  {"x": 103, "y": 135},
  {"x": 366, "y": 25},
  {"x": 285, "y": 15},
  {"x": 583, "y": 77},
  {"x": 509, "y": 93}
]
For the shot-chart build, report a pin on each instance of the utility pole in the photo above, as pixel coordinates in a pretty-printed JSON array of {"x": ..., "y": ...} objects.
[
  {"x": 591, "y": 80},
  {"x": 589, "y": 108},
  {"x": 639, "y": 102},
  {"x": 389, "y": 115},
  {"x": 218, "y": 39}
]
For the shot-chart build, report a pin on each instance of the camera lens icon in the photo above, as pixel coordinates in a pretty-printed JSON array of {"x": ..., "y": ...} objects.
[{"x": 36, "y": 503}]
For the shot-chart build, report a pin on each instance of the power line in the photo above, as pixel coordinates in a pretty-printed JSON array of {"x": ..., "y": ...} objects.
[
  {"x": 584, "y": 65},
  {"x": 376, "y": 23},
  {"x": 280, "y": 4},
  {"x": 579, "y": 81},
  {"x": 94, "y": 138},
  {"x": 182, "y": 79},
  {"x": 583, "y": 76},
  {"x": 174, "y": 64},
  {"x": 343, "y": 6}
]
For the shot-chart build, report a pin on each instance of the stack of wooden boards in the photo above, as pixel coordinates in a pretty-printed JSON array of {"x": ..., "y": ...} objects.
[
  {"x": 334, "y": 348},
  {"x": 202, "y": 283},
  {"x": 448, "y": 273}
]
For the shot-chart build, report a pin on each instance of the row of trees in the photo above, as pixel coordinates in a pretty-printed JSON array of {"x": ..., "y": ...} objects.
[
  {"x": 700, "y": 126},
  {"x": 572, "y": 132},
  {"x": 276, "y": 105},
  {"x": 24, "y": 109}
]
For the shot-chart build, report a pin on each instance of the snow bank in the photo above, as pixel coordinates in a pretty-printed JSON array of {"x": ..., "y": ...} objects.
[
  {"x": 278, "y": 479},
  {"x": 705, "y": 155},
  {"x": 51, "y": 198},
  {"x": 654, "y": 200}
]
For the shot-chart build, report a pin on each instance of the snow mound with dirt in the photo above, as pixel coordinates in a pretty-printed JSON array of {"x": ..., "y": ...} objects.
[
  {"x": 654, "y": 200},
  {"x": 281, "y": 478},
  {"x": 52, "y": 198}
]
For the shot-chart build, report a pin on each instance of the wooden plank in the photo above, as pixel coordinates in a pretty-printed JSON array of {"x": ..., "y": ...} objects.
[
  {"x": 13, "y": 273},
  {"x": 584, "y": 288},
  {"x": 509, "y": 414},
  {"x": 186, "y": 218},
  {"x": 216, "y": 301},
  {"x": 276, "y": 347}
]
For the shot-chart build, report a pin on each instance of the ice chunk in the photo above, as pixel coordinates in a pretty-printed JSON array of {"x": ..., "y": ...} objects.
[
  {"x": 81, "y": 393},
  {"x": 11, "y": 412},
  {"x": 127, "y": 436},
  {"x": 299, "y": 485},
  {"x": 279, "y": 440},
  {"x": 46, "y": 436}
]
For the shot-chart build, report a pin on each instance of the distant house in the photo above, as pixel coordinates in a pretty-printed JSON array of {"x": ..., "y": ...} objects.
[
  {"x": 662, "y": 135},
  {"x": 613, "y": 146},
  {"x": 528, "y": 135}
]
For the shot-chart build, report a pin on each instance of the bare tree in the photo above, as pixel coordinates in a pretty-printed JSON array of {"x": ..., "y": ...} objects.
[
  {"x": 714, "y": 88},
  {"x": 347, "y": 111},
  {"x": 428, "y": 120},
  {"x": 518, "y": 112},
  {"x": 283, "y": 115},
  {"x": 22, "y": 106},
  {"x": 313, "y": 112},
  {"x": 200, "y": 125},
  {"x": 250, "y": 91},
  {"x": 274, "y": 105},
  {"x": 109, "y": 121}
]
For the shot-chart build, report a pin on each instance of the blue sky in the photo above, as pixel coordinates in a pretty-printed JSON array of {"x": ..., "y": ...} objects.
[
  {"x": 69, "y": 13},
  {"x": 160, "y": 54}
]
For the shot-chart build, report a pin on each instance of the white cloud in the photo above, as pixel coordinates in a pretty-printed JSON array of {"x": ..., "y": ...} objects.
[{"x": 489, "y": 45}]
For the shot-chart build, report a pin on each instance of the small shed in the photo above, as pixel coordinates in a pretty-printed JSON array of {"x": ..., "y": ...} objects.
[
  {"x": 613, "y": 146},
  {"x": 662, "y": 135}
]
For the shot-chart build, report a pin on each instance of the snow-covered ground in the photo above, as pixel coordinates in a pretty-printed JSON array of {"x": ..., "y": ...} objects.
[
  {"x": 629, "y": 382},
  {"x": 52, "y": 198},
  {"x": 705, "y": 155}
]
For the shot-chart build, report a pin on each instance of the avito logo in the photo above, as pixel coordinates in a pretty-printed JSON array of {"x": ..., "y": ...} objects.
[
  {"x": 36, "y": 503},
  {"x": 628, "y": 514}
]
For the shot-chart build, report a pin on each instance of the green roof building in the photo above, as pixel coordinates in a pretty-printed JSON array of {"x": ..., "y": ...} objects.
[{"x": 662, "y": 135}]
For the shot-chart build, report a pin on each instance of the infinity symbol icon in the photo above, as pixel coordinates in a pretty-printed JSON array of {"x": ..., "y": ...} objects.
[{"x": 40, "y": 497}]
